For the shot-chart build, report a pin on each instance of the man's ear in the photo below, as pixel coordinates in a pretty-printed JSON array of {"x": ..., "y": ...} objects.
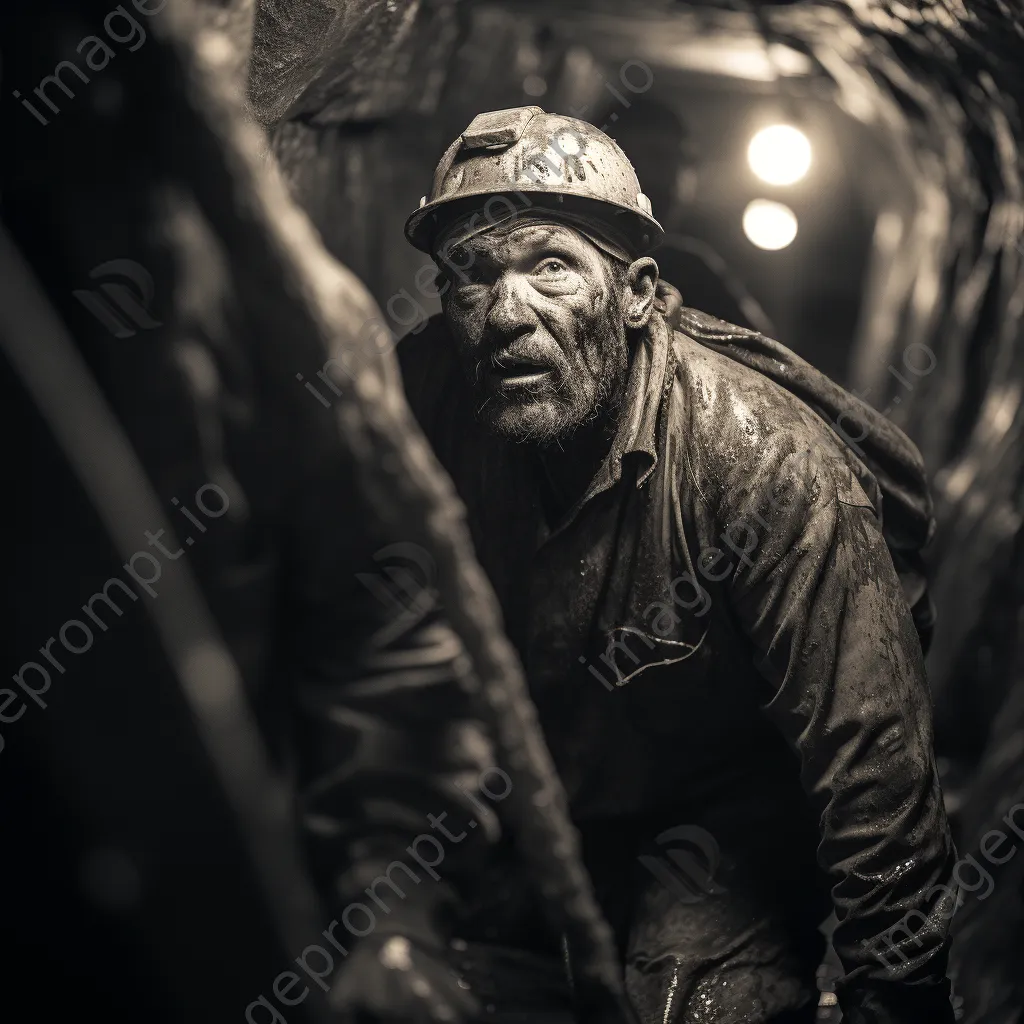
[{"x": 640, "y": 285}]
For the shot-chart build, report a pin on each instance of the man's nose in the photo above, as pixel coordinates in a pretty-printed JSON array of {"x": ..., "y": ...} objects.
[{"x": 510, "y": 314}]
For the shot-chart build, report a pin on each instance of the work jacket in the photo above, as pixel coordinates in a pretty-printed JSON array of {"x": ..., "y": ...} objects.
[{"x": 718, "y": 624}]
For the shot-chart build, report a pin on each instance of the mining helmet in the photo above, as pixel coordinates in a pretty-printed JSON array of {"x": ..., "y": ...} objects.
[{"x": 534, "y": 159}]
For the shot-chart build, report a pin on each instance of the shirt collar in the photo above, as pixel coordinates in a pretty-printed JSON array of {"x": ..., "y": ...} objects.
[{"x": 638, "y": 424}]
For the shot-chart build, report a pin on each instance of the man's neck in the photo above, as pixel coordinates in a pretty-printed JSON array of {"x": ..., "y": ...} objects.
[{"x": 569, "y": 466}]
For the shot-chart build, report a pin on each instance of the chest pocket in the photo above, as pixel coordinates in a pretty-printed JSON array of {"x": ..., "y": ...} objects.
[
  {"x": 630, "y": 651},
  {"x": 660, "y": 685}
]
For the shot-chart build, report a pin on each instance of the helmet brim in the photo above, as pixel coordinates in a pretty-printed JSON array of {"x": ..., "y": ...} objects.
[{"x": 423, "y": 228}]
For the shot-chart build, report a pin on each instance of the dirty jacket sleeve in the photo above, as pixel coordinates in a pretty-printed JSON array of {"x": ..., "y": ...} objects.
[
  {"x": 387, "y": 751},
  {"x": 816, "y": 593}
]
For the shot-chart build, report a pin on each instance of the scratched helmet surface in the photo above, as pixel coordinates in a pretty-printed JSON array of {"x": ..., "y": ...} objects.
[{"x": 546, "y": 159}]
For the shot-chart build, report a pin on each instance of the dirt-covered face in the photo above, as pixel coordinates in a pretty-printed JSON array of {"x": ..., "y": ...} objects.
[{"x": 541, "y": 317}]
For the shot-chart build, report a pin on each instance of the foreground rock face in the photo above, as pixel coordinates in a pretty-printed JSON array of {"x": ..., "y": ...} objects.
[{"x": 174, "y": 175}]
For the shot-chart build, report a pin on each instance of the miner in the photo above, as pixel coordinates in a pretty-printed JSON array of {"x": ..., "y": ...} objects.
[{"x": 705, "y": 553}]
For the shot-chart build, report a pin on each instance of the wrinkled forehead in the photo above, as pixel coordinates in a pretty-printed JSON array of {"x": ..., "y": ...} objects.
[
  {"x": 505, "y": 242},
  {"x": 529, "y": 234},
  {"x": 579, "y": 228}
]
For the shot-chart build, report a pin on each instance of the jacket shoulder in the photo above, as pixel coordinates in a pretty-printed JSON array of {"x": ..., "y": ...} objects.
[{"x": 745, "y": 431}]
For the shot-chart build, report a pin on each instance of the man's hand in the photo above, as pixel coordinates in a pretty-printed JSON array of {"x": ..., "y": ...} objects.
[{"x": 388, "y": 980}]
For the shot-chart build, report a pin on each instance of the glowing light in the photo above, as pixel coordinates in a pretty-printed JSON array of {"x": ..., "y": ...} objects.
[
  {"x": 779, "y": 154},
  {"x": 769, "y": 225}
]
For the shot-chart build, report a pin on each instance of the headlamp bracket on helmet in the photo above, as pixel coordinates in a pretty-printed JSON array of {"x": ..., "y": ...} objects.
[{"x": 498, "y": 129}]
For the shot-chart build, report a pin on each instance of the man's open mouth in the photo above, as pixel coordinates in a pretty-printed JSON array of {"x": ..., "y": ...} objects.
[{"x": 516, "y": 371}]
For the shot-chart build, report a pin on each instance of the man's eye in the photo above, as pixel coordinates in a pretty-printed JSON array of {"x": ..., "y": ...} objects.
[{"x": 550, "y": 267}]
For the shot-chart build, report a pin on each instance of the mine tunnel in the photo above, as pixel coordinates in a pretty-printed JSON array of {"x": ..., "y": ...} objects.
[{"x": 516, "y": 511}]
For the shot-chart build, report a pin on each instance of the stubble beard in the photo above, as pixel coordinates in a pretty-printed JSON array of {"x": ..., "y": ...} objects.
[{"x": 552, "y": 411}]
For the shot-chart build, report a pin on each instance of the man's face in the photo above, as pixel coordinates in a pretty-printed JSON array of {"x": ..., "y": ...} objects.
[{"x": 537, "y": 313}]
